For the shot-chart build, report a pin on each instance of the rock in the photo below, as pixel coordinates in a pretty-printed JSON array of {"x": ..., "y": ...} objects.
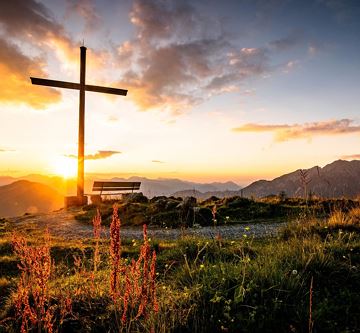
[
  {"x": 156, "y": 199},
  {"x": 210, "y": 201},
  {"x": 203, "y": 216},
  {"x": 171, "y": 204},
  {"x": 136, "y": 198},
  {"x": 187, "y": 212}
]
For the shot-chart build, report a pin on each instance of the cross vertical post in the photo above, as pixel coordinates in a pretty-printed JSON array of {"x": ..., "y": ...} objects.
[
  {"x": 80, "y": 199},
  {"x": 80, "y": 180}
]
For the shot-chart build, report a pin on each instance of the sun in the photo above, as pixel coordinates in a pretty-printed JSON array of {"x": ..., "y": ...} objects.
[{"x": 65, "y": 167}]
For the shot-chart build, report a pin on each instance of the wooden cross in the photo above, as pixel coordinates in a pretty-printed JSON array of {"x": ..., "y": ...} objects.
[{"x": 82, "y": 87}]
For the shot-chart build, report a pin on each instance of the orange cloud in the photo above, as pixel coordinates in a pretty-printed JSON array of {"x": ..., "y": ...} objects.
[
  {"x": 15, "y": 85},
  {"x": 31, "y": 22},
  {"x": 284, "y": 132},
  {"x": 259, "y": 128},
  {"x": 101, "y": 154},
  {"x": 351, "y": 157}
]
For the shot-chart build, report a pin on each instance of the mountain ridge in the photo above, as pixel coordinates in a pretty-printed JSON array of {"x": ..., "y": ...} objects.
[
  {"x": 338, "y": 179},
  {"x": 23, "y": 196}
]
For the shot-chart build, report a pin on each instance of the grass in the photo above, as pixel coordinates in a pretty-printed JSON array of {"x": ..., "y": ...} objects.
[{"x": 305, "y": 280}]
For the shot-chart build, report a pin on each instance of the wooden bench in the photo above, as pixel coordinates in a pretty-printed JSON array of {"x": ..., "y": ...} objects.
[{"x": 115, "y": 187}]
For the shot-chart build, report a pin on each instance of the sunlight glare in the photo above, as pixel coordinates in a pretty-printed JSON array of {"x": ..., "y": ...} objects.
[{"x": 65, "y": 167}]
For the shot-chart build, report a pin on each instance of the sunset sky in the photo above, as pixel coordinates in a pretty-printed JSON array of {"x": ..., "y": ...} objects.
[{"x": 218, "y": 90}]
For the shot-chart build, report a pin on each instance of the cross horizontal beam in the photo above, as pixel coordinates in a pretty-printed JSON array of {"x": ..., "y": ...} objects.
[{"x": 76, "y": 86}]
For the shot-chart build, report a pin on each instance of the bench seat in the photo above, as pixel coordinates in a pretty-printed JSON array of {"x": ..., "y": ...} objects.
[{"x": 116, "y": 187}]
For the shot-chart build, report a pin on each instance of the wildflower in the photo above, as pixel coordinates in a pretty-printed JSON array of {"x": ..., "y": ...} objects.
[
  {"x": 232, "y": 242},
  {"x": 294, "y": 272},
  {"x": 35, "y": 266},
  {"x": 202, "y": 266},
  {"x": 244, "y": 235},
  {"x": 135, "y": 293},
  {"x": 247, "y": 228},
  {"x": 97, "y": 230},
  {"x": 115, "y": 252}
]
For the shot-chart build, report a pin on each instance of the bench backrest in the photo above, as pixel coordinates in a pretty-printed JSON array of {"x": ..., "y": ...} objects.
[{"x": 115, "y": 186}]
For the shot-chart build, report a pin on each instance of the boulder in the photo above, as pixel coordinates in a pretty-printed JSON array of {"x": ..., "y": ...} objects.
[{"x": 136, "y": 198}]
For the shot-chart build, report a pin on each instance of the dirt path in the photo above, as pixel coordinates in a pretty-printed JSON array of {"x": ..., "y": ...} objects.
[{"x": 63, "y": 224}]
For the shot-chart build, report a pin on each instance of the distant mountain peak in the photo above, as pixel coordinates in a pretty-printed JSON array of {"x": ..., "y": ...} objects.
[{"x": 340, "y": 178}]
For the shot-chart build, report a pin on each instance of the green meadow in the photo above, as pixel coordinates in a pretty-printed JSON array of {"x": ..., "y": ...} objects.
[{"x": 306, "y": 279}]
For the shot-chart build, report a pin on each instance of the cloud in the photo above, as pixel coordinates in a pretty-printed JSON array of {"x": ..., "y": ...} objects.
[
  {"x": 29, "y": 18},
  {"x": 290, "y": 66},
  {"x": 180, "y": 57},
  {"x": 3, "y": 150},
  {"x": 351, "y": 157},
  {"x": 259, "y": 128},
  {"x": 284, "y": 132},
  {"x": 101, "y": 154},
  {"x": 157, "y": 161},
  {"x": 30, "y": 24},
  {"x": 87, "y": 11},
  {"x": 286, "y": 43},
  {"x": 15, "y": 85}
]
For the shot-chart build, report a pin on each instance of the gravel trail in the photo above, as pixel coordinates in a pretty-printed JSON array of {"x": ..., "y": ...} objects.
[{"x": 63, "y": 224}]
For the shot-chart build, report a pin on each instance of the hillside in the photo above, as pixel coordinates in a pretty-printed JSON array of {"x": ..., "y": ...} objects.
[
  {"x": 24, "y": 196},
  {"x": 335, "y": 180},
  {"x": 5, "y": 180}
]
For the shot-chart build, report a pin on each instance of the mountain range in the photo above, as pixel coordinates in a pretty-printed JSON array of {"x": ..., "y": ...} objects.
[
  {"x": 335, "y": 180},
  {"x": 38, "y": 193}
]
